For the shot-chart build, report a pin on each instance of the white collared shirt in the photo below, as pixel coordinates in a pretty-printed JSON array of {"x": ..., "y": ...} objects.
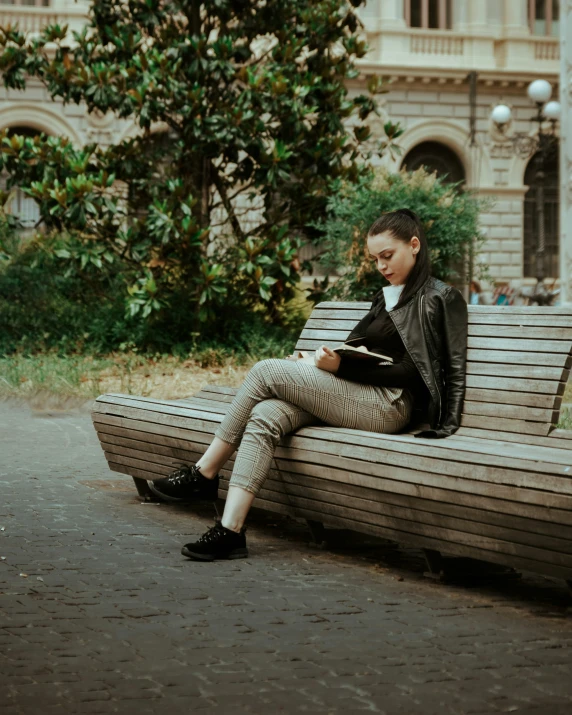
[{"x": 392, "y": 295}]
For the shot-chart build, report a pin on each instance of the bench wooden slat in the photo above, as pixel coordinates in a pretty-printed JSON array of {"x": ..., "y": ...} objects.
[
  {"x": 514, "y": 384},
  {"x": 562, "y": 434},
  {"x": 524, "y": 332},
  {"x": 215, "y": 396},
  {"x": 483, "y": 436},
  {"x": 221, "y": 389},
  {"x": 200, "y": 401},
  {"x": 493, "y": 409},
  {"x": 525, "y": 371},
  {"x": 499, "y": 318},
  {"x": 512, "y": 344},
  {"x": 513, "y": 357},
  {"x": 495, "y": 310},
  {"x": 198, "y": 420},
  {"x": 531, "y": 399},
  {"x": 506, "y": 425}
]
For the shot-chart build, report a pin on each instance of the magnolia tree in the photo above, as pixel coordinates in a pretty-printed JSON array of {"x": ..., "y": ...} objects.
[{"x": 251, "y": 102}]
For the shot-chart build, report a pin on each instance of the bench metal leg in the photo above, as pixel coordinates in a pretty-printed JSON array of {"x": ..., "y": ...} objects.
[
  {"x": 143, "y": 489},
  {"x": 434, "y": 562},
  {"x": 318, "y": 532}
]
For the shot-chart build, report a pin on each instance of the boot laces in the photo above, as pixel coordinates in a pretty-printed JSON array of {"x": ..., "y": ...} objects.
[
  {"x": 183, "y": 474},
  {"x": 213, "y": 534}
]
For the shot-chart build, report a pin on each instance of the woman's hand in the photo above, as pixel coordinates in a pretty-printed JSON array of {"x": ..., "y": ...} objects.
[{"x": 327, "y": 359}]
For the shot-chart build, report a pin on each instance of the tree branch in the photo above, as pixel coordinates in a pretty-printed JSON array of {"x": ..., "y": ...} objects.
[{"x": 234, "y": 222}]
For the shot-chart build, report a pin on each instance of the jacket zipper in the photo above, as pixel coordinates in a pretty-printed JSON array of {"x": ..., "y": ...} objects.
[{"x": 426, "y": 343}]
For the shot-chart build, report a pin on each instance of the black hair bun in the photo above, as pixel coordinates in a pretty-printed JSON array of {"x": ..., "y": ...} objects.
[{"x": 407, "y": 212}]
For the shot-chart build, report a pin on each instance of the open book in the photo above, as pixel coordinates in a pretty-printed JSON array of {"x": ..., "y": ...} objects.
[{"x": 349, "y": 351}]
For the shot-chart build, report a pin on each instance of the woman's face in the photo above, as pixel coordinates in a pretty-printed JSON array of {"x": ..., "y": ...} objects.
[{"x": 394, "y": 259}]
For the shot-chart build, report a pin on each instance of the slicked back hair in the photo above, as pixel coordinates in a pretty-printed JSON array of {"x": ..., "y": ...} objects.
[{"x": 403, "y": 224}]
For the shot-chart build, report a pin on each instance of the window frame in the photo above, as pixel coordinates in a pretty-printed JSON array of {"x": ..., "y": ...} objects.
[
  {"x": 549, "y": 6},
  {"x": 443, "y": 14}
]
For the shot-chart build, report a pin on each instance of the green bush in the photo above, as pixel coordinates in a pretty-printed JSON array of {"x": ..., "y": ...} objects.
[
  {"x": 43, "y": 307},
  {"x": 450, "y": 217}
]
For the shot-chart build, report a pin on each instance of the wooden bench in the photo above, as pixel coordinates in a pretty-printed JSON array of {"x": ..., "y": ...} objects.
[{"x": 499, "y": 490}]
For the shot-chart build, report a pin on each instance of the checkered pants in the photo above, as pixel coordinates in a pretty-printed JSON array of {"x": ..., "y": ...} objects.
[{"x": 279, "y": 396}]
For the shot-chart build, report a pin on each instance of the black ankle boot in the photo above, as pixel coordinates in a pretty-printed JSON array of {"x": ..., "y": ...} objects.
[
  {"x": 186, "y": 485},
  {"x": 218, "y": 543}
]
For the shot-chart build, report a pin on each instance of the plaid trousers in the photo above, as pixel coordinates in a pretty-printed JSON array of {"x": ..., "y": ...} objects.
[{"x": 279, "y": 396}]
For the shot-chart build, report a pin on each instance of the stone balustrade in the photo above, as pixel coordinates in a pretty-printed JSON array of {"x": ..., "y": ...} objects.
[{"x": 33, "y": 19}]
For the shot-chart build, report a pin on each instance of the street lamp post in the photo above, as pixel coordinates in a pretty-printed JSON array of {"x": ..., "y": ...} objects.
[{"x": 525, "y": 146}]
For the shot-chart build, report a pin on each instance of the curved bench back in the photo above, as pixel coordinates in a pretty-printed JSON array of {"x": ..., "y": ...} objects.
[{"x": 518, "y": 361}]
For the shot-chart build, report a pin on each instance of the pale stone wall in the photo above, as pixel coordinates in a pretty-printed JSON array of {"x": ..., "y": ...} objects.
[{"x": 566, "y": 153}]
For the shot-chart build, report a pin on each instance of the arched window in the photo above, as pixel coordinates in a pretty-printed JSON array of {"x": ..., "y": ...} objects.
[
  {"x": 21, "y": 205},
  {"x": 551, "y": 223},
  {"x": 544, "y": 17},
  {"x": 435, "y": 157},
  {"x": 428, "y": 14}
]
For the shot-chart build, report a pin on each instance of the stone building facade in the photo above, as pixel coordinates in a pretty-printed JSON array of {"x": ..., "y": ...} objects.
[{"x": 425, "y": 49}]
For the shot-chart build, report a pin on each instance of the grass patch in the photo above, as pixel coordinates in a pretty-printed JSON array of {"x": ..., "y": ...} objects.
[{"x": 57, "y": 382}]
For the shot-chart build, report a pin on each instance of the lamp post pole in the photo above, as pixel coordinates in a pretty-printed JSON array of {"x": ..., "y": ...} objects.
[
  {"x": 540, "y": 176},
  {"x": 524, "y": 145}
]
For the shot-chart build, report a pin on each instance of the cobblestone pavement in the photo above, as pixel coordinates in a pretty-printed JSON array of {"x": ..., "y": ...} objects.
[{"x": 100, "y": 613}]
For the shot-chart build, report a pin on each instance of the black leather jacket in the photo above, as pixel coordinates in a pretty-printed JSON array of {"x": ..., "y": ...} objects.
[{"x": 433, "y": 327}]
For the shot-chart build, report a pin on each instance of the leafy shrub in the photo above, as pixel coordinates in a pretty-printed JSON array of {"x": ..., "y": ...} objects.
[
  {"x": 450, "y": 217},
  {"x": 45, "y": 307},
  {"x": 41, "y": 307}
]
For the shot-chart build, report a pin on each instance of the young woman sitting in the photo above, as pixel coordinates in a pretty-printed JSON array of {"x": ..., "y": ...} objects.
[{"x": 417, "y": 320}]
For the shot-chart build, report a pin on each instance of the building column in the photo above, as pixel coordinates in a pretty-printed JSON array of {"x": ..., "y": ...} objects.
[
  {"x": 566, "y": 151},
  {"x": 477, "y": 17},
  {"x": 391, "y": 14},
  {"x": 460, "y": 15},
  {"x": 516, "y": 18}
]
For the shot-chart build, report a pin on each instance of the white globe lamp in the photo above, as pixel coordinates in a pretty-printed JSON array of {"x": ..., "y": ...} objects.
[
  {"x": 552, "y": 111},
  {"x": 540, "y": 91},
  {"x": 501, "y": 114}
]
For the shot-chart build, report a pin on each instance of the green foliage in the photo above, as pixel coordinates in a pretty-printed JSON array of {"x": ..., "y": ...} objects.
[
  {"x": 43, "y": 308},
  {"x": 450, "y": 217},
  {"x": 234, "y": 102}
]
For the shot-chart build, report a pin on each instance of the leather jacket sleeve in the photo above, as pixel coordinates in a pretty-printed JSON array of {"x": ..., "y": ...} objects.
[{"x": 454, "y": 331}]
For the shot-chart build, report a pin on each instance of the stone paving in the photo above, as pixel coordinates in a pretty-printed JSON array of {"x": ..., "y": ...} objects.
[{"x": 100, "y": 613}]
